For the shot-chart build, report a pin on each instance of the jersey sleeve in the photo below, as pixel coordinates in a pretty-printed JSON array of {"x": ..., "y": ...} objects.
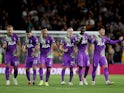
[
  {"x": 37, "y": 41},
  {"x": 62, "y": 42},
  {"x": 91, "y": 39},
  {"x": 4, "y": 39},
  {"x": 108, "y": 40},
  {"x": 52, "y": 40},
  {"x": 77, "y": 38},
  {"x": 17, "y": 38}
]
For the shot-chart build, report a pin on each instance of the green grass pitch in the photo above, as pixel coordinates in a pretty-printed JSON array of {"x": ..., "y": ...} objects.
[{"x": 56, "y": 87}]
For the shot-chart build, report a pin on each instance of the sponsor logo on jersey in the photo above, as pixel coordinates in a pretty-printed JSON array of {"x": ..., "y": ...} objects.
[
  {"x": 29, "y": 45},
  {"x": 12, "y": 43},
  {"x": 70, "y": 44},
  {"x": 45, "y": 45}
]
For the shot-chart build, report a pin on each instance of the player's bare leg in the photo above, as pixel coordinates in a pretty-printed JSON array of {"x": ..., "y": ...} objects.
[
  {"x": 41, "y": 75},
  {"x": 63, "y": 75}
]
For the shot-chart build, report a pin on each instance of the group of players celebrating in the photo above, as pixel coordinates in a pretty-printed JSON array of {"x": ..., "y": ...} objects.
[{"x": 40, "y": 53}]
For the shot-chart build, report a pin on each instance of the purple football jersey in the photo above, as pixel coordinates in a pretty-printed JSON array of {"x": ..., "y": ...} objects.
[
  {"x": 82, "y": 56},
  {"x": 30, "y": 44},
  {"x": 82, "y": 47},
  {"x": 46, "y": 46},
  {"x": 11, "y": 41},
  {"x": 68, "y": 43},
  {"x": 69, "y": 56},
  {"x": 99, "y": 51},
  {"x": 100, "y": 44}
]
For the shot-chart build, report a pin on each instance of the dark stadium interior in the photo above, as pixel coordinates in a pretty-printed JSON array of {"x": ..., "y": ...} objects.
[{"x": 57, "y": 14}]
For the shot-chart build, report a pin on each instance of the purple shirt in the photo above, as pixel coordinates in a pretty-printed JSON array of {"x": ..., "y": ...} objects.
[
  {"x": 68, "y": 43},
  {"x": 30, "y": 44},
  {"x": 46, "y": 45},
  {"x": 100, "y": 44},
  {"x": 82, "y": 47},
  {"x": 11, "y": 41}
]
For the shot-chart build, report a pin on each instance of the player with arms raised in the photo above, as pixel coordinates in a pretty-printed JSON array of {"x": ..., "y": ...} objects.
[
  {"x": 99, "y": 54},
  {"x": 11, "y": 44},
  {"x": 32, "y": 55}
]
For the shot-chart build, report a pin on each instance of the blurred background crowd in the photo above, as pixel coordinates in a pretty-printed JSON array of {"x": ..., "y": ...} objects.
[{"x": 58, "y": 15}]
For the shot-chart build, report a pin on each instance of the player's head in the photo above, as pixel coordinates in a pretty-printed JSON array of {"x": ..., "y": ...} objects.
[
  {"x": 9, "y": 29},
  {"x": 28, "y": 32},
  {"x": 82, "y": 29},
  {"x": 70, "y": 31},
  {"x": 44, "y": 31},
  {"x": 101, "y": 30}
]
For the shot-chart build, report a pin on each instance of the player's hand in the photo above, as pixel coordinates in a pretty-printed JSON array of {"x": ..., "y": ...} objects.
[
  {"x": 34, "y": 55},
  {"x": 121, "y": 38},
  {"x": 4, "y": 45},
  {"x": 60, "y": 54},
  {"x": 18, "y": 54},
  {"x": 65, "y": 50}
]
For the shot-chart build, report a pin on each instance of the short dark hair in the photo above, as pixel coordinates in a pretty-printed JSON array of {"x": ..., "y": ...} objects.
[
  {"x": 28, "y": 30},
  {"x": 100, "y": 27},
  {"x": 43, "y": 27},
  {"x": 8, "y": 26}
]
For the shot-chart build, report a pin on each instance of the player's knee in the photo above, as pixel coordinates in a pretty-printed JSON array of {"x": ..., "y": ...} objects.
[
  {"x": 7, "y": 65},
  {"x": 87, "y": 67},
  {"x": 7, "y": 68},
  {"x": 48, "y": 69},
  {"x": 34, "y": 67},
  {"x": 71, "y": 69},
  {"x": 15, "y": 68},
  {"x": 105, "y": 66},
  {"x": 27, "y": 69},
  {"x": 64, "y": 68},
  {"x": 41, "y": 65},
  {"x": 80, "y": 67}
]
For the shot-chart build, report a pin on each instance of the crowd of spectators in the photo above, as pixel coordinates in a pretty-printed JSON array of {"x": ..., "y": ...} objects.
[{"x": 61, "y": 14}]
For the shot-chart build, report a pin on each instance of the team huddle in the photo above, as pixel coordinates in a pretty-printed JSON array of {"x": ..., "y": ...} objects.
[{"x": 73, "y": 49}]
